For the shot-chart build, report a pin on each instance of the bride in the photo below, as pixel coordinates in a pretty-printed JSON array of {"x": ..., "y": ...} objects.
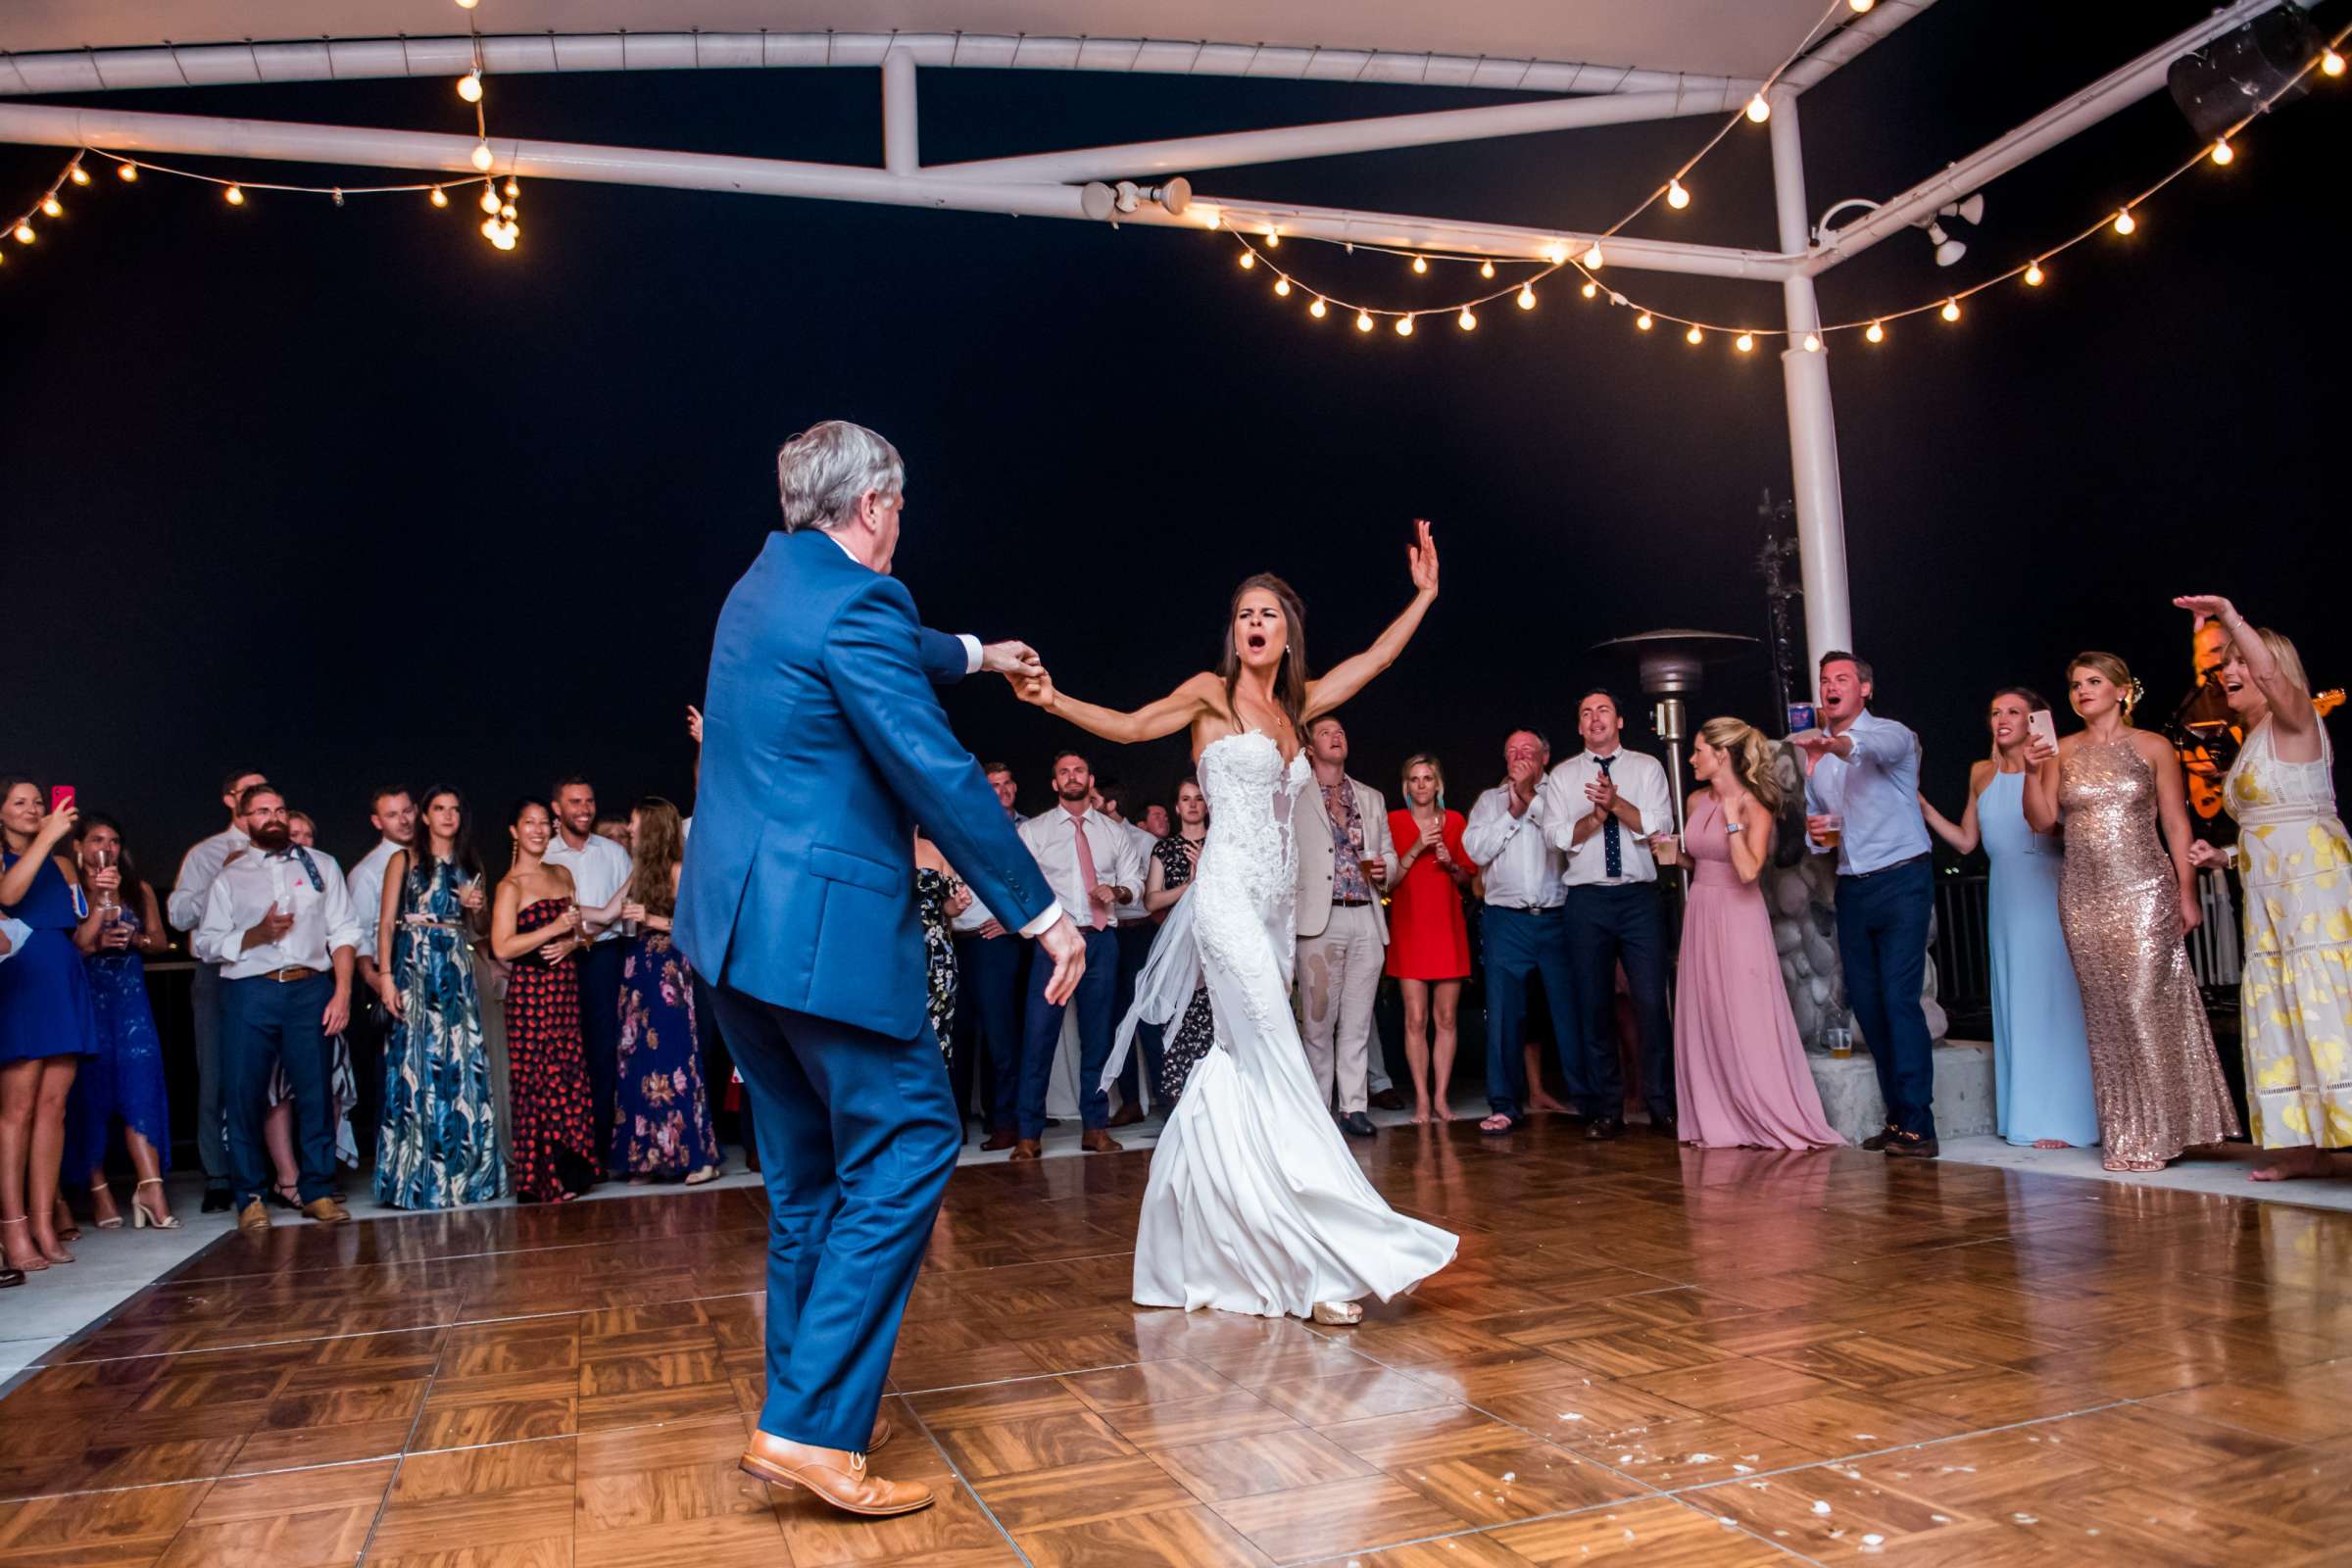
[{"x": 1255, "y": 1203}]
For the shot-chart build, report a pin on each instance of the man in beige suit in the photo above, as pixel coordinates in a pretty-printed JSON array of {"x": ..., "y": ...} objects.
[{"x": 1342, "y": 931}]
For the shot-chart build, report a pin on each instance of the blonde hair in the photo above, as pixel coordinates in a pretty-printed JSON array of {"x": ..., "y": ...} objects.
[
  {"x": 1750, "y": 756},
  {"x": 2117, "y": 673},
  {"x": 2283, "y": 654},
  {"x": 1420, "y": 759}
]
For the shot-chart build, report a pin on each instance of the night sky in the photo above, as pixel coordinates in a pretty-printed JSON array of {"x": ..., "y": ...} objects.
[{"x": 349, "y": 496}]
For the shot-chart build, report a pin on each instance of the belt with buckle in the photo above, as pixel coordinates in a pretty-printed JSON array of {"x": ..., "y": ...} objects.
[
  {"x": 1864, "y": 876},
  {"x": 1352, "y": 903},
  {"x": 289, "y": 975}
]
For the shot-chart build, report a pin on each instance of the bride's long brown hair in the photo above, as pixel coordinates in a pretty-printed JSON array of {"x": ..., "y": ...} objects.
[{"x": 1290, "y": 676}]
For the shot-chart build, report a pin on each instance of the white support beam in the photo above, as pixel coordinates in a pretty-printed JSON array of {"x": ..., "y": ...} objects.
[
  {"x": 1849, "y": 40},
  {"x": 2119, "y": 89},
  {"x": 1185, "y": 154},
  {"x": 141, "y": 133},
  {"x": 134, "y": 133},
  {"x": 227, "y": 64},
  {"x": 1812, "y": 420},
  {"x": 901, "y": 150}
]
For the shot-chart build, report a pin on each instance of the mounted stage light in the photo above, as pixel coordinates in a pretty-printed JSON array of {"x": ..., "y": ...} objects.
[
  {"x": 2234, "y": 75},
  {"x": 1948, "y": 249},
  {"x": 1968, "y": 210}
]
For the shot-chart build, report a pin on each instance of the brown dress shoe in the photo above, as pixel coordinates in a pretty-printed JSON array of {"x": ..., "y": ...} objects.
[
  {"x": 327, "y": 1211},
  {"x": 836, "y": 1477},
  {"x": 1001, "y": 1138},
  {"x": 1127, "y": 1117},
  {"x": 1098, "y": 1141},
  {"x": 1026, "y": 1149},
  {"x": 254, "y": 1217},
  {"x": 884, "y": 1431}
]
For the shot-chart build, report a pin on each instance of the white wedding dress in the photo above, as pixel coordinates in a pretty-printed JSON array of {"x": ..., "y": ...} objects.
[{"x": 1255, "y": 1203}]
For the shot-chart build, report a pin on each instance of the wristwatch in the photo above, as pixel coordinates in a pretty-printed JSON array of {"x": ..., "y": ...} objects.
[{"x": 1735, "y": 827}]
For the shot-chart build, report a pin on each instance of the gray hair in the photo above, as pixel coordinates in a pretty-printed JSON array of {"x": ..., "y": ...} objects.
[{"x": 827, "y": 468}]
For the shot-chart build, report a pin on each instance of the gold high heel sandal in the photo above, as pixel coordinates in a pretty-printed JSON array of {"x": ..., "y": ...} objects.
[
  {"x": 96, "y": 1190},
  {"x": 140, "y": 1219}
]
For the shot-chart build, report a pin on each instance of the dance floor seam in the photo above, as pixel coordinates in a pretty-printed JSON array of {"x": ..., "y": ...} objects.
[{"x": 1643, "y": 1353}]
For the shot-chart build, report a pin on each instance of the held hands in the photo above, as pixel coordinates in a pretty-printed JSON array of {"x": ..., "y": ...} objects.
[
  {"x": 1422, "y": 558},
  {"x": 1036, "y": 690},
  {"x": 1063, "y": 944},
  {"x": 1016, "y": 661},
  {"x": 2205, "y": 857}
]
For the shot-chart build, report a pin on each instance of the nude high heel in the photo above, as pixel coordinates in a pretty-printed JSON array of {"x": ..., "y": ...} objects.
[
  {"x": 34, "y": 1259},
  {"x": 112, "y": 1224},
  {"x": 140, "y": 1219},
  {"x": 1339, "y": 1314}
]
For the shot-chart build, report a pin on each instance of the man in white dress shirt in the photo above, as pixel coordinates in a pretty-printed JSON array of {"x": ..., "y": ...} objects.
[
  {"x": 1523, "y": 929},
  {"x": 1135, "y": 929},
  {"x": 393, "y": 815},
  {"x": 278, "y": 921},
  {"x": 1000, "y": 779},
  {"x": 1342, "y": 931},
  {"x": 1600, "y": 808},
  {"x": 600, "y": 869},
  {"x": 1092, "y": 864},
  {"x": 184, "y": 908}
]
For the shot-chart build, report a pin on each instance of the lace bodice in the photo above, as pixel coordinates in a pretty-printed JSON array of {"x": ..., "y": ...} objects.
[
  {"x": 2261, "y": 789},
  {"x": 1251, "y": 796}
]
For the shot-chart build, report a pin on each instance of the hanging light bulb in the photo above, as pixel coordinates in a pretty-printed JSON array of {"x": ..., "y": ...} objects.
[
  {"x": 467, "y": 5},
  {"x": 128, "y": 174},
  {"x": 2124, "y": 223},
  {"x": 1950, "y": 311},
  {"x": 2222, "y": 152},
  {"x": 2332, "y": 64},
  {"x": 51, "y": 207},
  {"x": 506, "y": 212},
  {"x": 512, "y": 187},
  {"x": 470, "y": 86},
  {"x": 1405, "y": 327},
  {"x": 1861, "y": 6},
  {"x": 1282, "y": 288},
  {"x": 1677, "y": 197},
  {"x": 79, "y": 175},
  {"x": 1812, "y": 342},
  {"x": 1758, "y": 109},
  {"x": 1248, "y": 260},
  {"x": 2034, "y": 274},
  {"x": 1555, "y": 254},
  {"x": 1594, "y": 259},
  {"x": 1745, "y": 342},
  {"x": 491, "y": 227},
  {"x": 1364, "y": 321},
  {"x": 1694, "y": 337},
  {"x": 489, "y": 200},
  {"x": 1273, "y": 241},
  {"x": 481, "y": 156},
  {"x": 23, "y": 234},
  {"x": 439, "y": 197},
  {"x": 1467, "y": 321},
  {"x": 1213, "y": 219},
  {"x": 1876, "y": 333},
  {"x": 234, "y": 195},
  {"x": 1642, "y": 322},
  {"x": 1591, "y": 290},
  {"x": 1316, "y": 309},
  {"x": 1527, "y": 297},
  {"x": 1486, "y": 268}
]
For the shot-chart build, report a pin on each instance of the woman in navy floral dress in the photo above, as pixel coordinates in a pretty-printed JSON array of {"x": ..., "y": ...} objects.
[
  {"x": 663, "y": 1126},
  {"x": 537, "y": 927}
]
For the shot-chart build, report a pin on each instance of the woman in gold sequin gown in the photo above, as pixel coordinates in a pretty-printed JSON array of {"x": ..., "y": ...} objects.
[
  {"x": 2297, "y": 862},
  {"x": 2127, "y": 900}
]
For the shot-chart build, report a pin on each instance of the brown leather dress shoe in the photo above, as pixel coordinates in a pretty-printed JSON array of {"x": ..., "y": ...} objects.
[
  {"x": 884, "y": 1430},
  {"x": 327, "y": 1211},
  {"x": 254, "y": 1216},
  {"x": 1001, "y": 1138},
  {"x": 1127, "y": 1117},
  {"x": 836, "y": 1477},
  {"x": 1026, "y": 1149},
  {"x": 1098, "y": 1141}
]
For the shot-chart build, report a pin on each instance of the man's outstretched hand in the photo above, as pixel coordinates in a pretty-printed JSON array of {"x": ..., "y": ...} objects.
[
  {"x": 1016, "y": 659},
  {"x": 1067, "y": 948}
]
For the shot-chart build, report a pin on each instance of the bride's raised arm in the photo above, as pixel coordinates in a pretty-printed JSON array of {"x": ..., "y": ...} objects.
[
  {"x": 1175, "y": 712},
  {"x": 1351, "y": 675}
]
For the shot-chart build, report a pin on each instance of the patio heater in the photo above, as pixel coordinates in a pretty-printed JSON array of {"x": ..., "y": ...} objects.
[{"x": 1671, "y": 664}]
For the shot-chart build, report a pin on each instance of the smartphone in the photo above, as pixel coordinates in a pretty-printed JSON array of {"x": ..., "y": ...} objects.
[
  {"x": 61, "y": 796},
  {"x": 2043, "y": 726}
]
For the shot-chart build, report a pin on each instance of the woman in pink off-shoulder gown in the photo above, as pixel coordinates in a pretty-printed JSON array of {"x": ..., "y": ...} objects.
[{"x": 1740, "y": 1076}]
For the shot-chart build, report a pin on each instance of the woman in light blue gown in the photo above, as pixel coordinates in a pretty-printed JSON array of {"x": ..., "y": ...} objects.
[{"x": 2040, "y": 1055}]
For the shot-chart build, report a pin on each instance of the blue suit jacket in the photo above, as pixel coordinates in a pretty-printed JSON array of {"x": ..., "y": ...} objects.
[{"x": 822, "y": 747}]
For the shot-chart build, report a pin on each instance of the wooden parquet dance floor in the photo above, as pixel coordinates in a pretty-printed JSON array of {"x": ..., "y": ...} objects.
[{"x": 1644, "y": 1354}]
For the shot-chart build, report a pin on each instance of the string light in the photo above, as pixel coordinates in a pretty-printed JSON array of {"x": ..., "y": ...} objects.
[
  {"x": 1556, "y": 254},
  {"x": 470, "y": 86},
  {"x": 1592, "y": 289},
  {"x": 1527, "y": 297},
  {"x": 1405, "y": 327},
  {"x": 1282, "y": 288},
  {"x": 1363, "y": 322},
  {"x": 2332, "y": 64},
  {"x": 1214, "y": 218},
  {"x": 506, "y": 212},
  {"x": 2222, "y": 152},
  {"x": 1486, "y": 268},
  {"x": 512, "y": 187},
  {"x": 1467, "y": 321},
  {"x": 79, "y": 175},
  {"x": 1861, "y": 7},
  {"x": 1273, "y": 241},
  {"x": 1745, "y": 342},
  {"x": 1876, "y": 333},
  {"x": 440, "y": 197},
  {"x": 1694, "y": 337},
  {"x": 2124, "y": 223},
  {"x": 1677, "y": 197},
  {"x": 1420, "y": 264},
  {"x": 1249, "y": 258},
  {"x": 1812, "y": 342},
  {"x": 51, "y": 207},
  {"x": 467, "y": 5},
  {"x": 490, "y": 205},
  {"x": 23, "y": 234},
  {"x": 2034, "y": 274},
  {"x": 1950, "y": 311},
  {"x": 1594, "y": 259},
  {"x": 1642, "y": 322},
  {"x": 1316, "y": 309},
  {"x": 129, "y": 172},
  {"x": 234, "y": 196},
  {"x": 481, "y": 156},
  {"x": 1758, "y": 111}
]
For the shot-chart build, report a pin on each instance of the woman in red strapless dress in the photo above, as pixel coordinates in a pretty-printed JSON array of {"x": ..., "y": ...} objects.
[{"x": 1429, "y": 939}]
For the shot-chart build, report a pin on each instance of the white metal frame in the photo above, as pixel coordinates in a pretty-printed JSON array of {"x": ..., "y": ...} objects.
[{"x": 1072, "y": 185}]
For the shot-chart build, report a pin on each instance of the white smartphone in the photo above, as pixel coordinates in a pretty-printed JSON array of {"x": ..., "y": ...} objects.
[{"x": 2043, "y": 726}]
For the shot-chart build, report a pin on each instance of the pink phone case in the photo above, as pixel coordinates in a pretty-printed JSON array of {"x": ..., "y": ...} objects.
[{"x": 2042, "y": 724}]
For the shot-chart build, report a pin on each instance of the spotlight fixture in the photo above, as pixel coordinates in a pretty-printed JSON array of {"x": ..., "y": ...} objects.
[
  {"x": 1948, "y": 249},
  {"x": 2266, "y": 61}
]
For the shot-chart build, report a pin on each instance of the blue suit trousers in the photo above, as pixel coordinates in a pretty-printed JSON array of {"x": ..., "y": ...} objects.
[
  {"x": 1883, "y": 942},
  {"x": 1041, "y": 1032}
]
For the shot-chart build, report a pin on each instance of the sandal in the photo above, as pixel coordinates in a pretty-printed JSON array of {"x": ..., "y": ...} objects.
[
  {"x": 141, "y": 1216},
  {"x": 103, "y": 1213},
  {"x": 69, "y": 1229},
  {"x": 707, "y": 1173},
  {"x": 34, "y": 1260}
]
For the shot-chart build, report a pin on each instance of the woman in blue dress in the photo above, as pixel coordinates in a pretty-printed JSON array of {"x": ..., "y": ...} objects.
[
  {"x": 439, "y": 1145},
  {"x": 662, "y": 1129},
  {"x": 46, "y": 1025},
  {"x": 2040, "y": 1053},
  {"x": 124, "y": 1081}
]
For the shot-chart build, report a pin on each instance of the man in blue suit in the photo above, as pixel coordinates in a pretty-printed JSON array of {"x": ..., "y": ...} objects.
[{"x": 823, "y": 748}]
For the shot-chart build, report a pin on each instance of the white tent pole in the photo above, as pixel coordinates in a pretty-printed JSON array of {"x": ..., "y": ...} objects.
[
  {"x": 137, "y": 132},
  {"x": 902, "y": 151},
  {"x": 1185, "y": 154},
  {"x": 2119, "y": 89},
  {"x": 1812, "y": 421}
]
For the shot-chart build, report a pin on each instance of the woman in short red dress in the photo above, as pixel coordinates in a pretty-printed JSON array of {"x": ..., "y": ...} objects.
[{"x": 1428, "y": 941}]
